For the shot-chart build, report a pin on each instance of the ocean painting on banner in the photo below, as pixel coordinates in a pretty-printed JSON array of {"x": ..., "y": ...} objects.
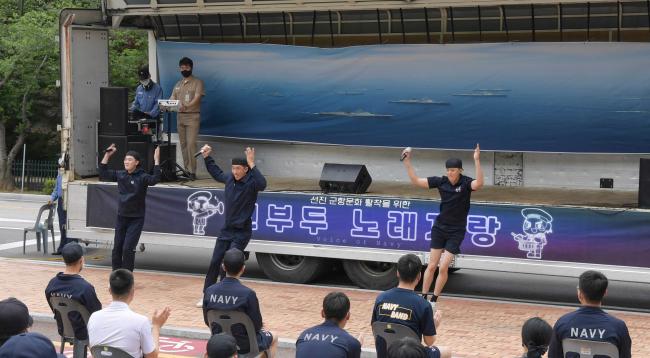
[{"x": 529, "y": 97}]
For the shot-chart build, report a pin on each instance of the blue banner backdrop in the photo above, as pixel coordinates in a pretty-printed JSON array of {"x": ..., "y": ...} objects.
[
  {"x": 612, "y": 237},
  {"x": 546, "y": 97}
]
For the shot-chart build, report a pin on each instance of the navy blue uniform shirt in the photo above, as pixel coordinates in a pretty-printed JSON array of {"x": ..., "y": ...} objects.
[
  {"x": 231, "y": 295},
  {"x": 78, "y": 289},
  {"x": 592, "y": 324},
  {"x": 240, "y": 197},
  {"x": 327, "y": 340},
  {"x": 454, "y": 199},
  {"x": 132, "y": 188}
]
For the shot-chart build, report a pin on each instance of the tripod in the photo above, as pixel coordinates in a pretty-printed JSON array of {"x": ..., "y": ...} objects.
[{"x": 171, "y": 170}]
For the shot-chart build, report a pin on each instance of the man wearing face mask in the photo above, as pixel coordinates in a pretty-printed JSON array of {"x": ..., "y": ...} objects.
[
  {"x": 145, "y": 104},
  {"x": 189, "y": 91}
]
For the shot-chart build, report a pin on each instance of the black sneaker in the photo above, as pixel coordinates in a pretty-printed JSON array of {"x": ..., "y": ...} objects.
[{"x": 57, "y": 253}]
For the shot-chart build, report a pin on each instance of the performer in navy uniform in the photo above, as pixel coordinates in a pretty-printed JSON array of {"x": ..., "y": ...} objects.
[
  {"x": 231, "y": 295},
  {"x": 329, "y": 339},
  {"x": 240, "y": 192},
  {"x": 132, "y": 183},
  {"x": 590, "y": 322},
  {"x": 71, "y": 285},
  {"x": 448, "y": 231},
  {"x": 403, "y": 306}
]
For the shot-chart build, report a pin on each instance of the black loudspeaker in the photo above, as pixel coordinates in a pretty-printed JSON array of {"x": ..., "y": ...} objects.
[
  {"x": 113, "y": 110},
  {"x": 117, "y": 159},
  {"x": 644, "y": 183},
  {"x": 344, "y": 178},
  {"x": 168, "y": 161},
  {"x": 145, "y": 149}
]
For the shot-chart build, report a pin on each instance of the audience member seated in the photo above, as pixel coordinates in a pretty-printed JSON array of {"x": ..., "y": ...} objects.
[
  {"x": 407, "y": 347},
  {"x": 29, "y": 345},
  {"x": 535, "y": 337},
  {"x": 14, "y": 318},
  {"x": 221, "y": 346},
  {"x": 231, "y": 295},
  {"x": 590, "y": 322},
  {"x": 119, "y": 327},
  {"x": 71, "y": 285},
  {"x": 403, "y": 306},
  {"x": 329, "y": 339}
]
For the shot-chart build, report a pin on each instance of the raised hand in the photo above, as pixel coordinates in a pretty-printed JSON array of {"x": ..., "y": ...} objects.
[
  {"x": 206, "y": 150},
  {"x": 477, "y": 153},
  {"x": 250, "y": 156}
]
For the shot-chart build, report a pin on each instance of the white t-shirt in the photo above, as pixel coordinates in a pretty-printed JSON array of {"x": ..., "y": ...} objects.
[{"x": 119, "y": 327}]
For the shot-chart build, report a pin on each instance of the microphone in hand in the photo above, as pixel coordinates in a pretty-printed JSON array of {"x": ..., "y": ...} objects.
[{"x": 405, "y": 153}]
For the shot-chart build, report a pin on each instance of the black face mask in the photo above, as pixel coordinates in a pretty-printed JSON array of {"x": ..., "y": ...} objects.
[
  {"x": 148, "y": 85},
  {"x": 186, "y": 73}
]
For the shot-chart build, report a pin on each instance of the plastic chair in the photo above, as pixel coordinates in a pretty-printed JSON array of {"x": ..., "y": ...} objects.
[
  {"x": 41, "y": 228},
  {"x": 392, "y": 332},
  {"x": 65, "y": 306},
  {"x": 589, "y": 349},
  {"x": 227, "y": 319},
  {"x": 100, "y": 351}
]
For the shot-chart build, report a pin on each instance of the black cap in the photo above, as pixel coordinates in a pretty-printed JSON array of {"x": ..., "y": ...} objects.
[
  {"x": 14, "y": 317},
  {"x": 186, "y": 61},
  {"x": 240, "y": 161},
  {"x": 29, "y": 345},
  {"x": 143, "y": 73},
  {"x": 72, "y": 252},
  {"x": 221, "y": 346},
  {"x": 233, "y": 261},
  {"x": 454, "y": 163}
]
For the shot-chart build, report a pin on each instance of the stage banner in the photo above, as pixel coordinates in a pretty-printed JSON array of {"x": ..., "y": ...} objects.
[
  {"x": 524, "y": 97},
  {"x": 611, "y": 237}
]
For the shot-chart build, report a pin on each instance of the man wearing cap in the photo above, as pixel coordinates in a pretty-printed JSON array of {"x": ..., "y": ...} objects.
[
  {"x": 147, "y": 94},
  {"x": 132, "y": 184},
  {"x": 29, "y": 345},
  {"x": 449, "y": 228},
  {"x": 189, "y": 90},
  {"x": 71, "y": 285},
  {"x": 221, "y": 346},
  {"x": 240, "y": 194},
  {"x": 14, "y": 319},
  {"x": 57, "y": 197},
  {"x": 231, "y": 295}
]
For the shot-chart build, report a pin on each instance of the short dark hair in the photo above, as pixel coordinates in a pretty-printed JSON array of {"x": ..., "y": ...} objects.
[
  {"x": 336, "y": 306},
  {"x": 134, "y": 154},
  {"x": 407, "y": 347},
  {"x": 536, "y": 336},
  {"x": 233, "y": 261},
  {"x": 408, "y": 267},
  {"x": 221, "y": 345},
  {"x": 186, "y": 61},
  {"x": 593, "y": 285},
  {"x": 121, "y": 282}
]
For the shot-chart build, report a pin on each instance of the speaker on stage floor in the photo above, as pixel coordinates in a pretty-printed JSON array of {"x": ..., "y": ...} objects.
[
  {"x": 145, "y": 149},
  {"x": 168, "y": 161},
  {"x": 644, "y": 183},
  {"x": 117, "y": 159},
  {"x": 113, "y": 110},
  {"x": 344, "y": 178}
]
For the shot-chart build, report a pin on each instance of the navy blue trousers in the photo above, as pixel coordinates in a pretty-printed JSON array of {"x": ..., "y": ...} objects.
[
  {"x": 62, "y": 214},
  {"x": 220, "y": 248},
  {"x": 127, "y": 235}
]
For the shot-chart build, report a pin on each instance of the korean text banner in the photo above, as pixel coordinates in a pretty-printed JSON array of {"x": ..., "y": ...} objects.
[
  {"x": 541, "y": 233},
  {"x": 544, "y": 97}
]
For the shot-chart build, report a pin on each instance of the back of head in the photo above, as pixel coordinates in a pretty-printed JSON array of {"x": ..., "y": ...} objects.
[
  {"x": 233, "y": 261},
  {"x": 536, "y": 336},
  {"x": 14, "y": 318},
  {"x": 408, "y": 268},
  {"x": 407, "y": 348},
  {"x": 593, "y": 285},
  {"x": 28, "y": 345},
  {"x": 121, "y": 283},
  {"x": 336, "y": 306},
  {"x": 221, "y": 346},
  {"x": 72, "y": 253}
]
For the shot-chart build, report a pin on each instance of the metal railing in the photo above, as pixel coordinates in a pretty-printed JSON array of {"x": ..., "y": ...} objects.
[{"x": 37, "y": 172}]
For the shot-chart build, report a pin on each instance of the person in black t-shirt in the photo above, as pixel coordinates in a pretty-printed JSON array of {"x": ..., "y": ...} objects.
[
  {"x": 403, "y": 306},
  {"x": 448, "y": 231},
  {"x": 590, "y": 322},
  {"x": 329, "y": 339}
]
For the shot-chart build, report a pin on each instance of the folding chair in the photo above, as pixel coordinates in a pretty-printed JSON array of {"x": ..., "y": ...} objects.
[
  {"x": 65, "y": 306},
  {"x": 392, "y": 332},
  {"x": 589, "y": 349},
  {"x": 227, "y": 319},
  {"x": 41, "y": 228},
  {"x": 100, "y": 351}
]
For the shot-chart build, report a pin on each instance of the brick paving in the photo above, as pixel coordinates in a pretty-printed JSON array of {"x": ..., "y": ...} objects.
[{"x": 472, "y": 328}]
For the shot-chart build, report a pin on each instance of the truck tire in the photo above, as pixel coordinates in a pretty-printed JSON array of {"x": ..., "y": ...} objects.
[
  {"x": 372, "y": 275},
  {"x": 291, "y": 268}
]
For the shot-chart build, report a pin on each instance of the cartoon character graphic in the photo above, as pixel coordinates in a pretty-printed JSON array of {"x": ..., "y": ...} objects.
[
  {"x": 537, "y": 224},
  {"x": 200, "y": 204}
]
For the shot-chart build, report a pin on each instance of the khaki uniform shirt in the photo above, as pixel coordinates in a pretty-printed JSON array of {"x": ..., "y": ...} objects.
[{"x": 186, "y": 90}]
